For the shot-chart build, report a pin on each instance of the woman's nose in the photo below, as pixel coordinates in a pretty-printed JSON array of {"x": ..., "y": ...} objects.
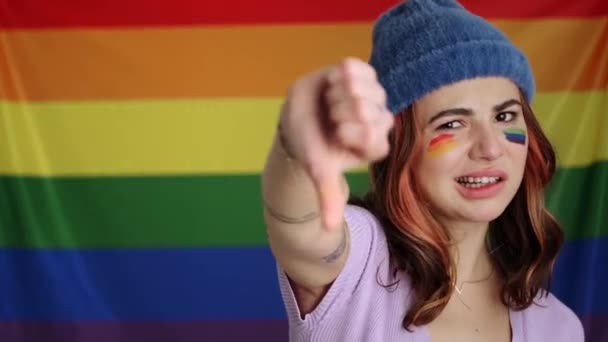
[{"x": 487, "y": 145}]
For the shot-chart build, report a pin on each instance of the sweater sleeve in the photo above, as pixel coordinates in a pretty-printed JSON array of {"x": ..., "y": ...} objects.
[
  {"x": 367, "y": 241},
  {"x": 578, "y": 333}
]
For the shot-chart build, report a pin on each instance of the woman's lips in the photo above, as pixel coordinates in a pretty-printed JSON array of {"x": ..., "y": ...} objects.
[{"x": 481, "y": 184}]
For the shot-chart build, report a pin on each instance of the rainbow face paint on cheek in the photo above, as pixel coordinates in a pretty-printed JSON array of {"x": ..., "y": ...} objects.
[
  {"x": 516, "y": 135},
  {"x": 441, "y": 144}
]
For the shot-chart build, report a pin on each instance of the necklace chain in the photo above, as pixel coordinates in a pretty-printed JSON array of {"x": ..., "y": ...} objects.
[{"x": 459, "y": 290}]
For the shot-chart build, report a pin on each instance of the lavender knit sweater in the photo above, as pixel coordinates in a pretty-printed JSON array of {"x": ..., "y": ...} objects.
[{"x": 357, "y": 308}]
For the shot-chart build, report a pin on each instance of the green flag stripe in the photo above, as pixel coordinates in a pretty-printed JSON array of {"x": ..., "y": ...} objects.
[{"x": 194, "y": 211}]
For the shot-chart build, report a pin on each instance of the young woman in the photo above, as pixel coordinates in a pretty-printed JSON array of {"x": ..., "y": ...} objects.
[{"x": 452, "y": 243}]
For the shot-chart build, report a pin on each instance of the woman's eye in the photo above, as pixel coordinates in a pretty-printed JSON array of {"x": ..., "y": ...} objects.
[
  {"x": 505, "y": 117},
  {"x": 450, "y": 125}
]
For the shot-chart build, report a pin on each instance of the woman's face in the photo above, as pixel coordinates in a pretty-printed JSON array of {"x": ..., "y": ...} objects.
[{"x": 474, "y": 148}]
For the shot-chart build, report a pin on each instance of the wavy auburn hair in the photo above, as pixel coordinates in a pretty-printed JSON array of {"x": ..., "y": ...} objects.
[{"x": 527, "y": 234}]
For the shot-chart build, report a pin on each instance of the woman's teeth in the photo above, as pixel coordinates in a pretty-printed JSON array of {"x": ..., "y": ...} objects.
[{"x": 477, "y": 182}]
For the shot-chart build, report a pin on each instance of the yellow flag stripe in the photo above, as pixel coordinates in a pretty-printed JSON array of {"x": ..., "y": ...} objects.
[{"x": 216, "y": 136}]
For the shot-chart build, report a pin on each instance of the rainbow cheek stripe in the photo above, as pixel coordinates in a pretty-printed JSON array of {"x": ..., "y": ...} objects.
[
  {"x": 516, "y": 135},
  {"x": 441, "y": 144}
]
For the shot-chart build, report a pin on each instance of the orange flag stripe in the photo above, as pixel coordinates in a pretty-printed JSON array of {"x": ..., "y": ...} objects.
[{"x": 566, "y": 54}]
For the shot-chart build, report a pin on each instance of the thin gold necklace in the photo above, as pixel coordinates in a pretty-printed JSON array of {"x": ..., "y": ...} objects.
[{"x": 459, "y": 290}]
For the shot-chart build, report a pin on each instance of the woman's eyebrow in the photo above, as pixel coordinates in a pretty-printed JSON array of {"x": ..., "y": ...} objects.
[
  {"x": 452, "y": 111},
  {"x": 506, "y": 104}
]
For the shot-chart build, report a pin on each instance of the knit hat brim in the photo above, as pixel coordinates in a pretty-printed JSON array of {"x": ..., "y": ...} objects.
[{"x": 410, "y": 81}]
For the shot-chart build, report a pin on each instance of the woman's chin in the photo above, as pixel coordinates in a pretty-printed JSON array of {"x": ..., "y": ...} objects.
[
  {"x": 484, "y": 214},
  {"x": 472, "y": 211}
]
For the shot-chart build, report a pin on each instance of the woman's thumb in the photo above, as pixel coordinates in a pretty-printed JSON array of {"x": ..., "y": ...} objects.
[{"x": 331, "y": 193}]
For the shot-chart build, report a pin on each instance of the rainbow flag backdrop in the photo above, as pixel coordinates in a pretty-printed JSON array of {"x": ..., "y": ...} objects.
[{"x": 133, "y": 133}]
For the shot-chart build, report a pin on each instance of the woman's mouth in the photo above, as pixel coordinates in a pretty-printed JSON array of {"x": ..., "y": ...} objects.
[
  {"x": 477, "y": 182},
  {"x": 482, "y": 184}
]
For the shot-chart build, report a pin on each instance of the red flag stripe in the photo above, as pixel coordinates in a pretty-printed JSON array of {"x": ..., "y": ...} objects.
[{"x": 37, "y": 14}]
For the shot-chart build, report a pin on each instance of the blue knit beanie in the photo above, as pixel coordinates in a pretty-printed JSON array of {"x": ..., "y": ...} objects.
[{"x": 421, "y": 45}]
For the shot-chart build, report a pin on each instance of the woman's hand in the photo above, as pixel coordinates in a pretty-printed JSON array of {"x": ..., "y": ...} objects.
[{"x": 335, "y": 119}]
